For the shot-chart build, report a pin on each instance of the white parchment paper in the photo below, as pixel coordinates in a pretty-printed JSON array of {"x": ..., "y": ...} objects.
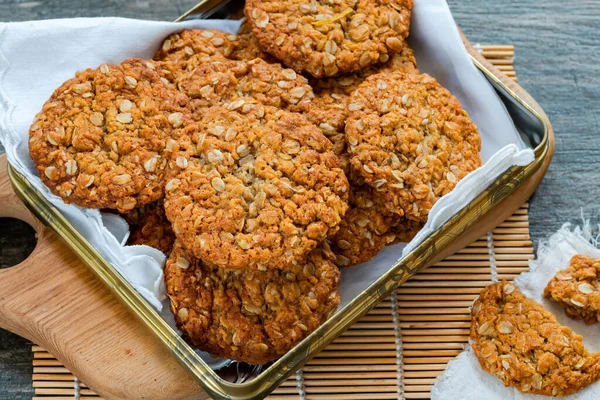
[{"x": 36, "y": 57}]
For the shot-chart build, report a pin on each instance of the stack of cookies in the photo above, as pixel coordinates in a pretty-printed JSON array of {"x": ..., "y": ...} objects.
[{"x": 261, "y": 162}]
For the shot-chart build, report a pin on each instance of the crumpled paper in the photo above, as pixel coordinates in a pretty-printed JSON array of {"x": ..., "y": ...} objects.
[
  {"x": 464, "y": 378},
  {"x": 36, "y": 57}
]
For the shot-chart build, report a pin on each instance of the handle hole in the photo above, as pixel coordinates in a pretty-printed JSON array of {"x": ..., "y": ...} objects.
[{"x": 17, "y": 241}]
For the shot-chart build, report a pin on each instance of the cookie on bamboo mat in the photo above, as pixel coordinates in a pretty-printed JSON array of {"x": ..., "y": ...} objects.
[
  {"x": 523, "y": 344},
  {"x": 225, "y": 83},
  {"x": 250, "y": 316},
  {"x": 149, "y": 226},
  {"x": 327, "y": 38},
  {"x": 577, "y": 289},
  {"x": 256, "y": 189},
  {"x": 100, "y": 140},
  {"x": 411, "y": 140},
  {"x": 329, "y": 108}
]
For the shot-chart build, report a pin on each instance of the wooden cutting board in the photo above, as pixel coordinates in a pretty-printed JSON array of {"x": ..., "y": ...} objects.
[{"x": 54, "y": 300}]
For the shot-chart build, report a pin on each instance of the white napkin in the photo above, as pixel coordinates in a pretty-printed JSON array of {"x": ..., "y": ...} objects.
[
  {"x": 464, "y": 378},
  {"x": 36, "y": 57}
]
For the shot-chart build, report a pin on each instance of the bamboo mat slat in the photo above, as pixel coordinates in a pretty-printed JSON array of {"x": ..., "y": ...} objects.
[{"x": 399, "y": 348}]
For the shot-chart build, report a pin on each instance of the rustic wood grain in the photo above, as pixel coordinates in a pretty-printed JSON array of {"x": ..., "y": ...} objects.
[
  {"x": 19, "y": 10},
  {"x": 556, "y": 45}
]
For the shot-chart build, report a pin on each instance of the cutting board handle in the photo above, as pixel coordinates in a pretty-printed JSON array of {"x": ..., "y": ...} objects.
[
  {"x": 53, "y": 299},
  {"x": 12, "y": 207},
  {"x": 10, "y": 204}
]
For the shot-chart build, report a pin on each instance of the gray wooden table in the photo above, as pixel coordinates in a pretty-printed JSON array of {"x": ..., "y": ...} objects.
[{"x": 557, "y": 45}]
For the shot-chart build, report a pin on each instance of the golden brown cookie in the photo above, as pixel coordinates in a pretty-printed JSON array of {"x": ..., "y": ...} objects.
[
  {"x": 577, "y": 289},
  {"x": 149, "y": 226},
  {"x": 365, "y": 229},
  {"x": 100, "y": 141},
  {"x": 410, "y": 139},
  {"x": 523, "y": 344},
  {"x": 326, "y": 38},
  {"x": 404, "y": 230},
  {"x": 254, "y": 190},
  {"x": 329, "y": 108},
  {"x": 250, "y": 316},
  {"x": 189, "y": 49},
  {"x": 368, "y": 227},
  {"x": 247, "y": 48},
  {"x": 201, "y": 44},
  {"x": 227, "y": 83}
]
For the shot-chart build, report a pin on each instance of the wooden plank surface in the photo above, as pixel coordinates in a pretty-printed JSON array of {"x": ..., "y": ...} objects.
[{"x": 557, "y": 63}]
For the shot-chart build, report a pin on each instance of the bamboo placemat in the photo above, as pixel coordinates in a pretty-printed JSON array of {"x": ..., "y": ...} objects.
[{"x": 398, "y": 349}]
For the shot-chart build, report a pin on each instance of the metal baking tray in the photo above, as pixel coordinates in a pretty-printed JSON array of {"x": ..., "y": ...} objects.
[{"x": 247, "y": 382}]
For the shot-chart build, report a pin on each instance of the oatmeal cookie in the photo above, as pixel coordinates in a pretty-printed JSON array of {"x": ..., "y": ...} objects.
[
  {"x": 329, "y": 108},
  {"x": 405, "y": 230},
  {"x": 189, "y": 49},
  {"x": 226, "y": 83},
  {"x": 201, "y": 45},
  {"x": 100, "y": 141},
  {"x": 404, "y": 61},
  {"x": 577, "y": 289},
  {"x": 250, "y": 316},
  {"x": 254, "y": 190},
  {"x": 247, "y": 48},
  {"x": 365, "y": 229},
  {"x": 327, "y": 38},
  {"x": 149, "y": 225},
  {"x": 368, "y": 227},
  {"x": 411, "y": 140},
  {"x": 520, "y": 342}
]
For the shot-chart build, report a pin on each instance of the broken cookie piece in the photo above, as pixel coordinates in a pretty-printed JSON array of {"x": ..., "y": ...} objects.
[{"x": 577, "y": 289}]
